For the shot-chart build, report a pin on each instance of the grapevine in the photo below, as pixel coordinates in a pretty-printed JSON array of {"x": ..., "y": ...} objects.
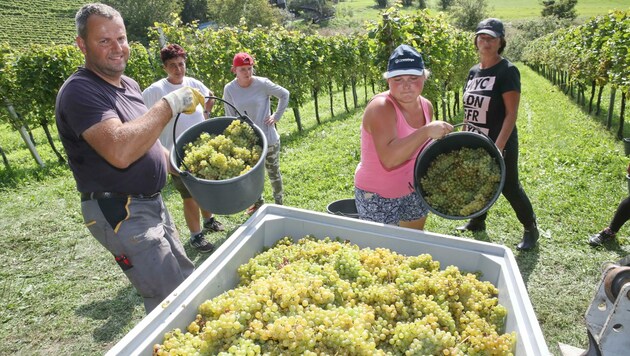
[
  {"x": 224, "y": 156},
  {"x": 326, "y": 297},
  {"x": 461, "y": 182}
]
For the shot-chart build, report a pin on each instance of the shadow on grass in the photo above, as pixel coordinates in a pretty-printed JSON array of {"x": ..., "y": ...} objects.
[
  {"x": 602, "y": 119},
  {"x": 117, "y": 311},
  {"x": 614, "y": 246},
  {"x": 13, "y": 177},
  {"x": 526, "y": 260},
  {"x": 601, "y": 115}
]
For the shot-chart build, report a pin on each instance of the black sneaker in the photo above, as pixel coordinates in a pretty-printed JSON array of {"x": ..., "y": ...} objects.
[
  {"x": 601, "y": 237},
  {"x": 213, "y": 225},
  {"x": 201, "y": 244},
  {"x": 472, "y": 225}
]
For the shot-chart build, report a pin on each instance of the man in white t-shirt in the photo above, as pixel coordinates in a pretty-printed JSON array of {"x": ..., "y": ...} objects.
[{"x": 174, "y": 63}]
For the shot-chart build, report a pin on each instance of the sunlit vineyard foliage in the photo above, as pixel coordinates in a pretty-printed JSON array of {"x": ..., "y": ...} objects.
[
  {"x": 308, "y": 65},
  {"x": 593, "y": 55}
]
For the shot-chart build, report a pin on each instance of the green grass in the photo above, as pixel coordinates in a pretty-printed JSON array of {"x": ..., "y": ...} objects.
[
  {"x": 358, "y": 11},
  {"x": 62, "y": 293},
  {"x": 515, "y": 10}
]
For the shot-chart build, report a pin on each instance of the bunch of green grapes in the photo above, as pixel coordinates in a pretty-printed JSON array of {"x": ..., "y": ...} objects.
[
  {"x": 224, "y": 156},
  {"x": 328, "y": 297},
  {"x": 461, "y": 182}
]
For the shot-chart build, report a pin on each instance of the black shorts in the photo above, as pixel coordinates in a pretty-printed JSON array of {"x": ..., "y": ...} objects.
[{"x": 181, "y": 188}]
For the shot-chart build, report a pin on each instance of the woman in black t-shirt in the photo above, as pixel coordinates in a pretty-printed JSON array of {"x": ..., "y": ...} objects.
[{"x": 491, "y": 99}]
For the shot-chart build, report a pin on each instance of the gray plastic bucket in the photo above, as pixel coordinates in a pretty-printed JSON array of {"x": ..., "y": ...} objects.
[
  {"x": 626, "y": 146},
  {"x": 227, "y": 196},
  {"x": 451, "y": 142},
  {"x": 343, "y": 207}
]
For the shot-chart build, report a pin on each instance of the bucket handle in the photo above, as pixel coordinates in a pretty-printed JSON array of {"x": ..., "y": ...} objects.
[
  {"x": 240, "y": 116},
  {"x": 474, "y": 128}
]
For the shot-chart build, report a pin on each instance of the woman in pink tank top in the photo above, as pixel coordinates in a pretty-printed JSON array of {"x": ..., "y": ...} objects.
[{"x": 396, "y": 126}]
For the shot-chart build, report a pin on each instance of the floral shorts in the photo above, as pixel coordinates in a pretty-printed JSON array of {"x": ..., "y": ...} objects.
[{"x": 374, "y": 207}]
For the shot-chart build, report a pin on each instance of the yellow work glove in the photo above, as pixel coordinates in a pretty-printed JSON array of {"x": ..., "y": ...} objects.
[{"x": 184, "y": 100}]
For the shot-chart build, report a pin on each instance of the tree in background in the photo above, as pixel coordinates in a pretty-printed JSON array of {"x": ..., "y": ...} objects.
[
  {"x": 421, "y": 3},
  {"x": 314, "y": 10},
  {"x": 253, "y": 12},
  {"x": 523, "y": 32},
  {"x": 139, "y": 16},
  {"x": 194, "y": 10},
  {"x": 381, "y": 3},
  {"x": 466, "y": 14},
  {"x": 445, "y": 4},
  {"x": 562, "y": 9}
]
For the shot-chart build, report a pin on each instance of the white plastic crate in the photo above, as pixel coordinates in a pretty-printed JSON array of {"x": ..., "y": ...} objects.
[{"x": 218, "y": 273}]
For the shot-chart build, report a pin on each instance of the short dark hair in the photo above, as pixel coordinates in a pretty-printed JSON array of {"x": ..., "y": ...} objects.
[
  {"x": 98, "y": 9},
  {"x": 172, "y": 51}
]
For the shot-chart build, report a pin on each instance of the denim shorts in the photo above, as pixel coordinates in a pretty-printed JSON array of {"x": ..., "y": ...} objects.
[{"x": 392, "y": 211}]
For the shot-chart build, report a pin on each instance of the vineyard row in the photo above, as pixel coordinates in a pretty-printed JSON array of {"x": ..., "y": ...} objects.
[
  {"x": 307, "y": 65},
  {"x": 594, "y": 54}
]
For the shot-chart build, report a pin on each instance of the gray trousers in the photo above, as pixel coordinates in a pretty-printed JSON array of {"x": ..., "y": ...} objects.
[
  {"x": 272, "y": 166},
  {"x": 143, "y": 239}
]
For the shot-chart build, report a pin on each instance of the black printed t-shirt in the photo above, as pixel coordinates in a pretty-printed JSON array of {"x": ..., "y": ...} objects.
[
  {"x": 483, "y": 95},
  {"x": 84, "y": 100}
]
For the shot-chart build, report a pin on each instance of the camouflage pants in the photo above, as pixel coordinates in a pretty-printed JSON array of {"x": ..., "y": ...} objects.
[{"x": 272, "y": 165}]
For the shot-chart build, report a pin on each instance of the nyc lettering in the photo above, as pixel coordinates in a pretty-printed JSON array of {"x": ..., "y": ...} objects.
[{"x": 480, "y": 83}]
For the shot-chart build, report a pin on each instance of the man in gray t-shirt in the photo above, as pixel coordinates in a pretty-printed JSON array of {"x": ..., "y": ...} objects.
[{"x": 119, "y": 166}]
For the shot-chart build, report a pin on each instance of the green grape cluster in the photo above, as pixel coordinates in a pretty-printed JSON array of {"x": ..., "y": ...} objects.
[
  {"x": 329, "y": 297},
  {"x": 228, "y": 155},
  {"x": 461, "y": 182}
]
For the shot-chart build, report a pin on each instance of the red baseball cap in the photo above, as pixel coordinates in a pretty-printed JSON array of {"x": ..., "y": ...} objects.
[{"x": 242, "y": 59}]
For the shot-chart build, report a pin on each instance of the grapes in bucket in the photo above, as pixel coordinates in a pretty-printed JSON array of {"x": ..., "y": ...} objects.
[
  {"x": 221, "y": 162},
  {"x": 461, "y": 182},
  {"x": 222, "y": 156},
  {"x": 460, "y": 175}
]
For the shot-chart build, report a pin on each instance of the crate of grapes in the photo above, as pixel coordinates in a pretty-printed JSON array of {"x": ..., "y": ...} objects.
[
  {"x": 221, "y": 162},
  {"x": 241, "y": 297},
  {"x": 460, "y": 175}
]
